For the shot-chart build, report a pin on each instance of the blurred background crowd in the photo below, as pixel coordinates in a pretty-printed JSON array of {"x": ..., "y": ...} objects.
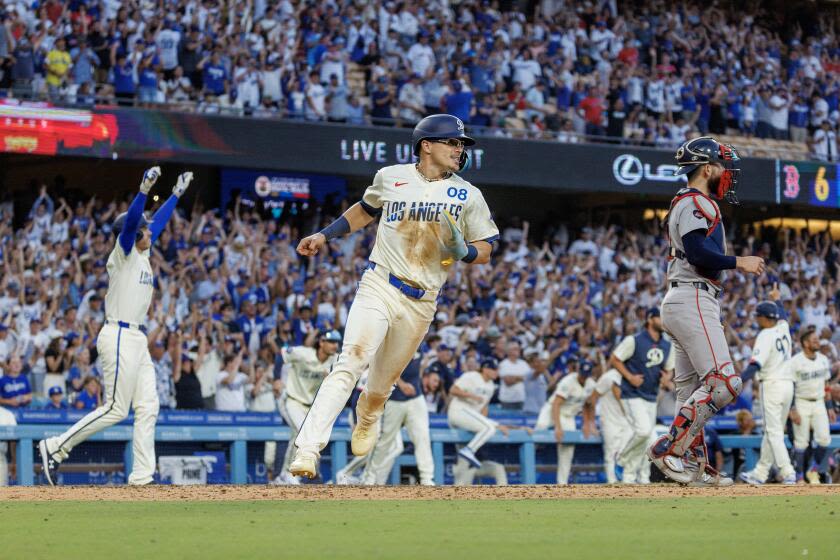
[
  {"x": 645, "y": 71},
  {"x": 232, "y": 292}
]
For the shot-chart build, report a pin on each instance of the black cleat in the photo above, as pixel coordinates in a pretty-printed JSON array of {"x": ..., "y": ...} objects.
[{"x": 48, "y": 462}]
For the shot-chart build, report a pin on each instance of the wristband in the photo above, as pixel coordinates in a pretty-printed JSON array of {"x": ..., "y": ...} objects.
[
  {"x": 336, "y": 229},
  {"x": 472, "y": 254}
]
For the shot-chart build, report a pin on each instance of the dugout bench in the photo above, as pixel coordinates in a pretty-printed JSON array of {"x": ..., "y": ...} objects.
[{"x": 237, "y": 437}]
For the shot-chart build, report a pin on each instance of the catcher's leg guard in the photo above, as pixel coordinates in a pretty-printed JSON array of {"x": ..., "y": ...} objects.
[{"x": 717, "y": 391}]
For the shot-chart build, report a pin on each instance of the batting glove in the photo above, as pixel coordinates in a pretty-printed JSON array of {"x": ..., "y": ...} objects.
[
  {"x": 456, "y": 246},
  {"x": 184, "y": 180},
  {"x": 150, "y": 177}
]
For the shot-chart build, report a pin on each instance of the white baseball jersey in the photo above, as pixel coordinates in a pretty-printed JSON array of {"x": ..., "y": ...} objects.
[
  {"x": 411, "y": 234},
  {"x": 573, "y": 393},
  {"x": 609, "y": 408},
  {"x": 130, "y": 285},
  {"x": 810, "y": 375},
  {"x": 472, "y": 382},
  {"x": 305, "y": 372},
  {"x": 771, "y": 350}
]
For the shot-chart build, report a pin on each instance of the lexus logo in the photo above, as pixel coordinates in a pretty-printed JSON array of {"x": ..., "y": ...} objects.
[{"x": 629, "y": 170}]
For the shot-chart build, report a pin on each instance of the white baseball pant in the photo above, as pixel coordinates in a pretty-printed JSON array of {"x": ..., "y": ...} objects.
[
  {"x": 293, "y": 413},
  {"x": 384, "y": 329},
  {"x": 6, "y": 419},
  {"x": 463, "y": 418},
  {"x": 776, "y": 398},
  {"x": 813, "y": 416},
  {"x": 465, "y": 474},
  {"x": 414, "y": 415},
  {"x": 565, "y": 453},
  {"x": 129, "y": 381},
  {"x": 642, "y": 417},
  {"x": 615, "y": 437}
]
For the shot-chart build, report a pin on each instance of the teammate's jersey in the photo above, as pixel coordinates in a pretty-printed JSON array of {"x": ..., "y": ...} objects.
[
  {"x": 810, "y": 375},
  {"x": 771, "y": 350},
  {"x": 410, "y": 375},
  {"x": 412, "y": 231},
  {"x": 643, "y": 355},
  {"x": 472, "y": 382},
  {"x": 130, "y": 285},
  {"x": 609, "y": 408},
  {"x": 688, "y": 214},
  {"x": 573, "y": 393},
  {"x": 305, "y": 372}
]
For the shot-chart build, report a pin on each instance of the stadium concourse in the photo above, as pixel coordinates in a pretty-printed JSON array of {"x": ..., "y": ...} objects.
[{"x": 646, "y": 71}]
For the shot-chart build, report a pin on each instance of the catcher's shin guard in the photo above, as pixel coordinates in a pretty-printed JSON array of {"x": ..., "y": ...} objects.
[{"x": 717, "y": 391}]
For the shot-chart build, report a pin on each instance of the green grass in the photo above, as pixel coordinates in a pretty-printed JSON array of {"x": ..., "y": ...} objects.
[{"x": 713, "y": 528}]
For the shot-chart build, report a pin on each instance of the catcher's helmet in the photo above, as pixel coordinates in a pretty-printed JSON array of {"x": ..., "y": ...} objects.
[
  {"x": 703, "y": 150},
  {"x": 119, "y": 223},
  {"x": 767, "y": 309},
  {"x": 441, "y": 126}
]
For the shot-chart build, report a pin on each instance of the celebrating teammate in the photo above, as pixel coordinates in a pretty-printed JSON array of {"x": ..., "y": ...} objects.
[
  {"x": 470, "y": 395},
  {"x": 810, "y": 369},
  {"x": 643, "y": 360},
  {"x": 127, "y": 370},
  {"x": 305, "y": 368},
  {"x": 430, "y": 218},
  {"x": 573, "y": 394},
  {"x": 615, "y": 428},
  {"x": 705, "y": 378},
  {"x": 406, "y": 407},
  {"x": 769, "y": 364}
]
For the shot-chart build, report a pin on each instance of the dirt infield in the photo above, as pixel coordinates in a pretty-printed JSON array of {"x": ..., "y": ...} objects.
[{"x": 323, "y": 492}]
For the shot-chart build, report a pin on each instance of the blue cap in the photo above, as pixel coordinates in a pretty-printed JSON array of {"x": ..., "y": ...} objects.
[
  {"x": 652, "y": 312},
  {"x": 332, "y": 336},
  {"x": 490, "y": 363},
  {"x": 586, "y": 368},
  {"x": 444, "y": 347},
  {"x": 55, "y": 390},
  {"x": 767, "y": 309}
]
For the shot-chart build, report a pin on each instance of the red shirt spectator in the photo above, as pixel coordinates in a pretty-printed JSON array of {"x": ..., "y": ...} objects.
[
  {"x": 593, "y": 108},
  {"x": 629, "y": 55}
]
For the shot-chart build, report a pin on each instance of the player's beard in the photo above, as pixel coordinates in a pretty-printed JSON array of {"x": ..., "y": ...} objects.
[{"x": 714, "y": 184}]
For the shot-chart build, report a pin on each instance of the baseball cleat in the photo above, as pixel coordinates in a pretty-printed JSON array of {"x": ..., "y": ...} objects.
[
  {"x": 48, "y": 462},
  {"x": 346, "y": 479},
  {"x": 790, "y": 479},
  {"x": 363, "y": 438},
  {"x": 670, "y": 465},
  {"x": 618, "y": 470},
  {"x": 304, "y": 464},
  {"x": 285, "y": 479},
  {"x": 750, "y": 478},
  {"x": 711, "y": 477},
  {"x": 470, "y": 457}
]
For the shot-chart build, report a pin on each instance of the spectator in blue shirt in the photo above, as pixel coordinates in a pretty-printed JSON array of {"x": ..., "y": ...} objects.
[
  {"x": 459, "y": 102},
  {"x": 15, "y": 390},
  {"x": 214, "y": 74},
  {"x": 124, "y": 80},
  {"x": 381, "y": 100},
  {"x": 89, "y": 398},
  {"x": 57, "y": 401},
  {"x": 85, "y": 61},
  {"x": 798, "y": 119},
  {"x": 147, "y": 77}
]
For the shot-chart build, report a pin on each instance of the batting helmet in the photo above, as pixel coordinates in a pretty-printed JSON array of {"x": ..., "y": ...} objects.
[
  {"x": 441, "y": 126},
  {"x": 119, "y": 223},
  {"x": 703, "y": 150},
  {"x": 767, "y": 309}
]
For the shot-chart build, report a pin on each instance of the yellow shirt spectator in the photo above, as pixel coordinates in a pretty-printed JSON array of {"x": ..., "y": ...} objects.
[{"x": 58, "y": 63}]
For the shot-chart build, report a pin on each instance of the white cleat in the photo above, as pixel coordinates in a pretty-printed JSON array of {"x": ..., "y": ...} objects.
[
  {"x": 470, "y": 457},
  {"x": 363, "y": 438},
  {"x": 285, "y": 479},
  {"x": 304, "y": 464},
  {"x": 346, "y": 479},
  {"x": 789, "y": 479},
  {"x": 750, "y": 478}
]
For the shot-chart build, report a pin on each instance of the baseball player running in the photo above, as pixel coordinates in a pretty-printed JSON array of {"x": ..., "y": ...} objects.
[
  {"x": 810, "y": 370},
  {"x": 431, "y": 217},
  {"x": 124, "y": 360},
  {"x": 305, "y": 368},
  {"x": 406, "y": 407},
  {"x": 769, "y": 364},
  {"x": 705, "y": 378},
  {"x": 642, "y": 359},
  {"x": 615, "y": 427},
  {"x": 573, "y": 394},
  {"x": 470, "y": 395}
]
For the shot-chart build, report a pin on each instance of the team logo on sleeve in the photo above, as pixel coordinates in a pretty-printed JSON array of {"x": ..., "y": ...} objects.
[{"x": 699, "y": 215}]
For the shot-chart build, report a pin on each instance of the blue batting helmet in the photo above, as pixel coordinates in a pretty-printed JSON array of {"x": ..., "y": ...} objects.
[
  {"x": 440, "y": 126},
  {"x": 767, "y": 309},
  {"x": 119, "y": 223}
]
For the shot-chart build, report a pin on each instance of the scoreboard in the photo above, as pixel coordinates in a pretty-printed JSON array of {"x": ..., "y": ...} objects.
[{"x": 812, "y": 183}]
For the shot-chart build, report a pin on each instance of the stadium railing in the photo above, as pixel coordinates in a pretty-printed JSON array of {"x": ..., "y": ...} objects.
[{"x": 239, "y": 436}]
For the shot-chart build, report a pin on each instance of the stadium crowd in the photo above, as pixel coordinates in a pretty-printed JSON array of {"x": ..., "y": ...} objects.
[
  {"x": 649, "y": 71},
  {"x": 233, "y": 291}
]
